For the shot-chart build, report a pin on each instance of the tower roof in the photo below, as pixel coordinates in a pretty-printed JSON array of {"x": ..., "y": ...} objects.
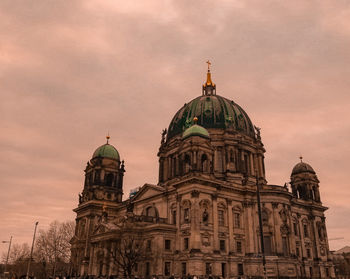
[
  {"x": 106, "y": 151},
  {"x": 302, "y": 167}
]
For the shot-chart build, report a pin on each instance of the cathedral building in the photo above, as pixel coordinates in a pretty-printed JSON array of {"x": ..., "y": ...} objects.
[{"x": 202, "y": 217}]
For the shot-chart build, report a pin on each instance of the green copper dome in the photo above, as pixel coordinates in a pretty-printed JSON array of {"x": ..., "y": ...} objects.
[
  {"x": 195, "y": 130},
  {"x": 212, "y": 111},
  {"x": 106, "y": 151}
]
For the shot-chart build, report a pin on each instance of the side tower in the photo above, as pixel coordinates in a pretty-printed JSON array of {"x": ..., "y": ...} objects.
[
  {"x": 309, "y": 224},
  {"x": 102, "y": 192}
]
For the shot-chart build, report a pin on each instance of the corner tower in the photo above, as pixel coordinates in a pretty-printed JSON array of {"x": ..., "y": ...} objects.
[
  {"x": 304, "y": 183},
  {"x": 104, "y": 175},
  {"x": 102, "y": 194}
]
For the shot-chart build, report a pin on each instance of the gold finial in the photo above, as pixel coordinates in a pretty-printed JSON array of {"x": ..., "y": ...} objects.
[
  {"x": 195, "y": 119},
  {"x": 209, "y": 63},
  {"x": 301, "y": 159},
  {"x": 209, "y": 81},
  {"x": 108, "y": 137}
]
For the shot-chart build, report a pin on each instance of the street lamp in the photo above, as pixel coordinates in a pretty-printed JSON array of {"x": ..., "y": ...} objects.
[
  {"x": 8, "y": 252},
  {"x": 31, "y": 251},
  {"x": 260, "y": 225}
]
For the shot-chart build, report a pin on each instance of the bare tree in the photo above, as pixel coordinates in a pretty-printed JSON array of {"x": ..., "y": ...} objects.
[
  {"x": 18, "y": 258},
  {"x": 53, "y": 247},
  {"x": 129, "y": 247}
]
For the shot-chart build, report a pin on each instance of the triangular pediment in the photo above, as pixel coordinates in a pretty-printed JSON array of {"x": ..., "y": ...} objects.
[{"x": 148, "y": 190}]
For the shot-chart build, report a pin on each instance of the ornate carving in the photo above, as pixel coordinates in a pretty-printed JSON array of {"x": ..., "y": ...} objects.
[
  {"x": 229, "y": 201},
  {"x": 185, "y": 233},
  {"x": 275, "y": 204},
  {"x": 214, "y": 197},
  {"x": 248, "y": 203},
  {"x": 285, "y": 229},
  {"x": 164, "y": 133},
  {"x": 311, "y": 217},
  {"x": 206, "y": 239},
  {"x": 283, "y": 215},
  {"x": 195, "y": 194},
  {"x": 178, "y": 197}
]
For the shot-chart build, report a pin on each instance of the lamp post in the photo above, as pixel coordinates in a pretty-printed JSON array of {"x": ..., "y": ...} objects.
[
  {"x": 260, "y": 225},
  {"x": 31, "y": 251},
  {"x": 8, "y": 253}
]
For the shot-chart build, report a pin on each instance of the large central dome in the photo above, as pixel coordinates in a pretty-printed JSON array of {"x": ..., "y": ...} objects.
[{"x": 212, "y": 111}]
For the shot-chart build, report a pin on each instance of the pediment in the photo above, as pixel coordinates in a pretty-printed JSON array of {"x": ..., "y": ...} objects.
[{"x": 148, "y": 190}]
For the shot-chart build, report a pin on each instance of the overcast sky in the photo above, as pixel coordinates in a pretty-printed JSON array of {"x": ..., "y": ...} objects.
[{"x": 70, "y": 71}]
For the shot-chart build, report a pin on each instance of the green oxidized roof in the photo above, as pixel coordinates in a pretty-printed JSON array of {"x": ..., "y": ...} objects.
[
  {"x": 212, "y": 111},
  {"x": 106, "y": 151},
  {"x": 195, "y": 130}
]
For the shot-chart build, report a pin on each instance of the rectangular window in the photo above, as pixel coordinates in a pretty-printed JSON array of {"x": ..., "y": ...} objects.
[
  {"x": 148, "y": 272},
  {"x": 174, "y": 217},
  {"x": 239, "y": 247},
  {"x": 306, "y": 232},
  {"x": 136, "y": 267},
  {"x": 183, "y": 269},
  {"x": 221, "y": 218},
  {"x": 222, "y": 245},
  {"x": 237, "y": 220},
  {"x": 148, "y": 245},
  {"x": 285, "y": 246},
  {"x": 298, "y": 252},
  {"x": 295, "y": 226},
  {"x": 167, "y": 268},
  {"x": 267, "y": 245},
  {"x": 167, "y": 243},
  {"x": 186, "y": 243},
  {"x": 240, "y": 269},
  {"x": 308, "y": 253},
  {"x": 208, "y": 268},
  {"x": 223, "y": 270},
  {"x": 327, "y": 272},
  {"x": 186, "y": 215}
]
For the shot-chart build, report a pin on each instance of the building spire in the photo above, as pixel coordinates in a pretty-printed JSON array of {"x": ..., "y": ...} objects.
[
  {"x": 301, "y": 159},
  {"x": 108, "y": 137},
  {"x": 209, "y": 87}
]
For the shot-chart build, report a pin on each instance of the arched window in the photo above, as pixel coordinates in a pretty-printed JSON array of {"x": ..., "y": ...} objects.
[
  {"x": 204, "y": 163},
  {"x": 109, "y": 179},
  {"x": 151, "y": 211},
  {"x": 187, "y": 164},
  {"x": 265, "y": 217}
]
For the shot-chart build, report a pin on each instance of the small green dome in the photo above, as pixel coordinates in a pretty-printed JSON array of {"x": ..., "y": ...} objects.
[
  {"x": 106, "y": 151},
  {"x": 195, "y": 130}
]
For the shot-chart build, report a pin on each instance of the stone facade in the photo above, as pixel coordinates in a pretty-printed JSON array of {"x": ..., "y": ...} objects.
[{"x": 202, "y": 217}]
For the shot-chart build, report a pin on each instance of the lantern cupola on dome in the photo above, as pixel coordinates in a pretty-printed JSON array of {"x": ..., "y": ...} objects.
[{"x": 195, "y": 130}]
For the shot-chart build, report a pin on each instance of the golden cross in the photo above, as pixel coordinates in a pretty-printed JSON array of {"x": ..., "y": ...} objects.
[{"x": 209, "y": 63}]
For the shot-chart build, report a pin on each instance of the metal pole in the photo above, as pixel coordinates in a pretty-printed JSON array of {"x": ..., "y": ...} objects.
[
  {"x": 31, "y": 251},
  {"x": 8, "y": 253},
  {"x": 260, "y": 225}
]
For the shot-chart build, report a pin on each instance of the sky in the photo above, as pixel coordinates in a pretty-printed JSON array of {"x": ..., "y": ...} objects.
[{"x": 72, "y": 71}]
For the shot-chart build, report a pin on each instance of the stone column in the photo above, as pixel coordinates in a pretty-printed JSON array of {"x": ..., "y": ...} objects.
[
  {"x": 215, "y": 222},
  {"x": 230, "y": 226},
  {"x": 178, "y": 221},
  {"x": 195, "y": 242},
  {"x": 277, "y": 229},
  {"x": 251, "y": 159},
  {"x": 249, "y": 227}
]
